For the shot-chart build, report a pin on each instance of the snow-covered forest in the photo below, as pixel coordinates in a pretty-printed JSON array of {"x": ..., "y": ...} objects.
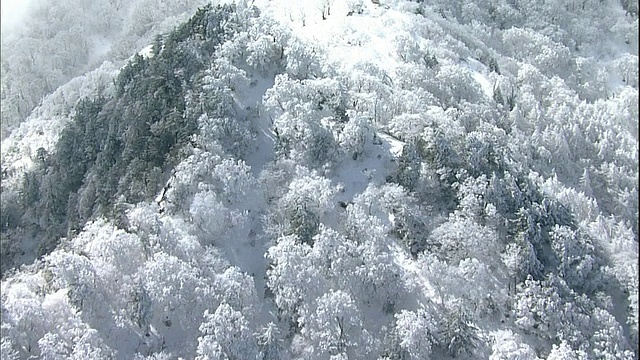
[{"x": 320, "y": 179}]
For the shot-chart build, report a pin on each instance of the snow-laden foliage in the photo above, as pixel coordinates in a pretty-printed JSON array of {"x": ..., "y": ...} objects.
[{"x": 321, "y": 180}]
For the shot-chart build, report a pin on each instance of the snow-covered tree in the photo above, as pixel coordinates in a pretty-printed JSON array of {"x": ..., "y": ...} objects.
[
  {"x": 237, "y": 289},
  {"x": 179, "y": 296},
  {"x": 484, "y": 166},
  {"x": 226, "y": 334},
  {"x": 457, "y": 334},
  {"x": 416, "y": 331},
  {"x": 302, "y": 59},
  {"x": 578, "y": 261},
  {"x": 291, "y": 277},
  {"x": 564, "y": 352},
  {"x": 335, "y": 327},
  {"x": 356, "y": 135},
  {"x": 304, "y": 205},
  {"x": 459, "y": 239},
  {"x": 270, "y": 342},
  {"x": 213, "y": 220},
  {"x": 509, "y": 346}
]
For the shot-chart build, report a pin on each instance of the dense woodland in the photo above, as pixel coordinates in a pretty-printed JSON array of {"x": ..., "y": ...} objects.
[{"x": 322, "y": 179}]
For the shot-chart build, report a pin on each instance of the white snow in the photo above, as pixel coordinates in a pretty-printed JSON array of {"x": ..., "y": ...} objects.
[
  {"x": 395, "y": 146},
  {"x": 355, "y": 175},
  {"x": 252, "y": 99},
  {"x": 478, "y": 71},
  {"x": 19, "y": 149},
  {"x": 413, "y": 272},
  {"x": 349, "y": 41},
  {"x": 146, "y": 52}
]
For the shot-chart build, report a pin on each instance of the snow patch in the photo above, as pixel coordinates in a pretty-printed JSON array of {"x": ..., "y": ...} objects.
[
  {"x": 395, "y": 146},
  {"x": 478, "y": 71},
  {"x": 147, "y": 52}
]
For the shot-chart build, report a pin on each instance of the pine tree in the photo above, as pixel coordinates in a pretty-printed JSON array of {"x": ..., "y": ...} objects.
[{"x": 457, "y": 334}]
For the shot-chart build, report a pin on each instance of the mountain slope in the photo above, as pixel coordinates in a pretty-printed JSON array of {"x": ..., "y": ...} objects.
[{"x": 327, "y": 180}]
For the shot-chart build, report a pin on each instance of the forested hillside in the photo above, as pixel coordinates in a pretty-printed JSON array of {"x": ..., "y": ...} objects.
[
  {"x": 55, "y": 41},
  {"x": 323, "y": 179}
]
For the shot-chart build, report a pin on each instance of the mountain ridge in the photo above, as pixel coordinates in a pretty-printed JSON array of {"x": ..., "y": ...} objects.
[{"x": 250, "y": 186}]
